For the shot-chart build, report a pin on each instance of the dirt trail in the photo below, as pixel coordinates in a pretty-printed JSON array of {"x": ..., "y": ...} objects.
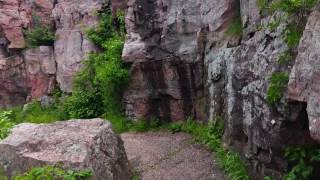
[{"x": 167, "y": 156}]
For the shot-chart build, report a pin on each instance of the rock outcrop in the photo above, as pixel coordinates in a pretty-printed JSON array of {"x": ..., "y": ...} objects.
[
  {"x": 184, "y": 63},
  {"x": 33, "y": 73},
  {"x": 71, "y": 46},
  {"x": 166, "y": 45},
  {"x": 76, "y": 144},
  {"x": 305, "y": 76}
]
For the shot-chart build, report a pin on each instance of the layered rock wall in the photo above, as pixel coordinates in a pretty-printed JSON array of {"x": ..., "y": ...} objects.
[
  {"x": 185, "y": 64},
  {"x": 28, "y": 74},
  {"x": 166, "y": 45}
]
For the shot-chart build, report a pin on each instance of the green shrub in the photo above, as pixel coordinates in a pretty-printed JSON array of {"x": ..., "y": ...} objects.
[
  {"x": 39, "y": 36},
  {"x": 304, "y": 160},
  {"x": 293, "y": 7},
  {"x": 54, "y": 173},
  {"x": 83, "y": 104},
  {"x": 277, "y": 87},
  {"x": 235, "y": 28},
  {"x": 293, "y": 35},
  {"x": 262, "y": 4},
  {"x": 5, "y": 123},
  {"x": 98, "y": 87},
  {"x": 35, "y": 113},
  {"x": 286, "y": 57}
]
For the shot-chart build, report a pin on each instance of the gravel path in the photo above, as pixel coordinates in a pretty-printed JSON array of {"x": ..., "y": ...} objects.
[{"x": 167, "y": 156}]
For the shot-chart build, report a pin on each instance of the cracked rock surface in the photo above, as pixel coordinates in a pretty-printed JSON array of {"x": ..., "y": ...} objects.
[{"x": 75, "y": 144}]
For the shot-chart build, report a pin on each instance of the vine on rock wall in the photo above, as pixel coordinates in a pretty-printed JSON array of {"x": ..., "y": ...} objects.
[{"x": 98, "y": 87}]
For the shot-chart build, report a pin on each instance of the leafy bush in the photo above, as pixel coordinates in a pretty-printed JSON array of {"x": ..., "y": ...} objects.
[
  {"x": 54, "y": 173},
  {"x": 5, "y": 123},
  {"x": 235, "y": 29},
  {"x": 304, "y": 160},
  {"x": 39, "y": 36},
  {"x": 277, "y": 86},
  {"x": 293, "y": 7},
  {"x": 83, "y": 104},
  {"x": 293, "y": 35},
  {"x": 98, "y": 87},
  {"x": 211, "y": 136},
  {"x": 285, "y": 58},
  {"x": 262, "y": 4}
]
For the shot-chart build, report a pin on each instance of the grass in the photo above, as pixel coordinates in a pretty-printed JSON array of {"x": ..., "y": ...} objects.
[
  {"x": 51, "y": 173},
  {"x": 35, "y": 113},
  {"x": 122, "y": 124},
  {"x": 211, "y": 136}
]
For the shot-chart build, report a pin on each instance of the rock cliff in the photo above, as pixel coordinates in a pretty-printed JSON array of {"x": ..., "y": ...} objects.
[
  {"x": 184, "y": 63},
  {"x": 32, "y": 73}
]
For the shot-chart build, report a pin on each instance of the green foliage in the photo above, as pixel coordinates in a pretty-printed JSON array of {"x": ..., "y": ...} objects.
[
  {"x": 5, "y": 123},
  {"x": 262, "y": 4},
  {"x": 211, "y": 136},
  {"x": 35, "y": 113},
  {"x": 285, "y": 58},
  {"x": 294, "y": 10},
  {"x": 293, "y": 35},
  {"x": 83, "y": 104},
  {"x": 235, "y": 29},
  {"x": 98, "y": 87},
  {"x": 293, "y": 7},
  {"x": 39, "y": 36},
  {"x": 277, "y": 86},
  {"x": 122, "y": 124},
  {"x": 267, "y": 178},
  {"x": 304, "y": 160},
  {"x": 274, "y": 23},
  {"x": 54, "y": 173}
]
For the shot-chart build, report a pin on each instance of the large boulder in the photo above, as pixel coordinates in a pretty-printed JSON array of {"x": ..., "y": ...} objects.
[{"x": 76, "y": 144}]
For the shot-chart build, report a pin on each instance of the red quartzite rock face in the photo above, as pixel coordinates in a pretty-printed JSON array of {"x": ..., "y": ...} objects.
[
  {"x": 71, "y": 46},
  {"x": 16, "y": 15},
  {"x": 33, "y": 73},
  {"x": 304, "y": 82},
  {"x": 76, "y": 144},
  {"x": 27, "y": 77},
  {"x": 29, "y": 74},
  {"x": 165, "y": 44}
]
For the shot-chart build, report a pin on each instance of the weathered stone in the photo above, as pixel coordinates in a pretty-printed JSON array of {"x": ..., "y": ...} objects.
[
  {"x": 166, "y": 41},
  {"x": 76, "y": 144},
  {"x": 304, "y": 82},
  {"x": 16, "y": 15},
  {"x": 13, "y": 82},
  {"x": 71, "y": 46},
  {"x": 27, "y": 77},
  {"x": 41, "y": 70},
  {"x": 23, "y": 75}
]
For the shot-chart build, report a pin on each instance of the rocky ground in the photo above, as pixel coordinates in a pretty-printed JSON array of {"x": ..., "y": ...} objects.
[{"x": 167, "y": 156}]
